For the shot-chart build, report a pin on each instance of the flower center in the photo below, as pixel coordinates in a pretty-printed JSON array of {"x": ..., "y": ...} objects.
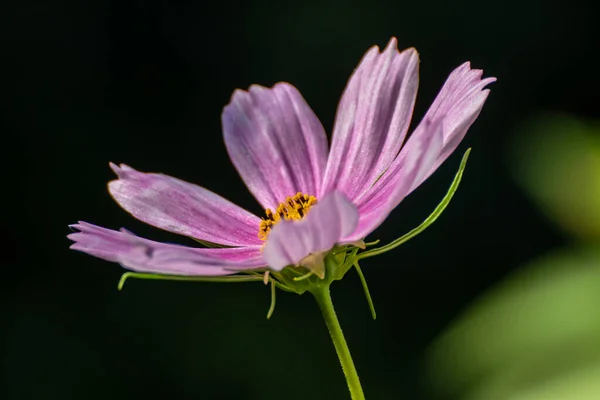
[{"x": 293, "y": 208}]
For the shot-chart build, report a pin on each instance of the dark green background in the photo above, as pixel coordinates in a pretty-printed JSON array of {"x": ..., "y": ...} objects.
[{"x": 144, "y": 82}]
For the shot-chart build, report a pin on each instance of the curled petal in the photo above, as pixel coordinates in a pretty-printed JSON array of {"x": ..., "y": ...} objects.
[
  {"x": 181, "y": 207},
  {"x": 372, "y": 119},
  {"x": 276, "y": 142},
  {"x": 143, "y": 255},
  {"x": 289, "y": 242}
]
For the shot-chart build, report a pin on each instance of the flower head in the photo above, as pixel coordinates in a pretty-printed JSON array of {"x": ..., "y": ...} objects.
[{"x": 315, "y": 198}]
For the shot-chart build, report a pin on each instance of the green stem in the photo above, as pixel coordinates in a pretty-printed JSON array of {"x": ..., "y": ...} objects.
[{"x": 323, "y": 297}]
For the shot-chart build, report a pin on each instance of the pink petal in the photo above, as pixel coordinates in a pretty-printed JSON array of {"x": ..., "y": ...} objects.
[
  {"x": 424, "y": 152},
  {"x": 460, "y": 102},
  {"x": 145, "y": 255},
  {"x": 454, "y": 110},
  {"x": 333, "y": 218},
  {"x": 372, "y": 119},
  {"x": 180, "y": 207},
  {"x": 276, "y": 142}
]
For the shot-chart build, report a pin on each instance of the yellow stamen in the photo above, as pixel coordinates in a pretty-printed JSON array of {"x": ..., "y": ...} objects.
[{"x": 293, "y": 208}]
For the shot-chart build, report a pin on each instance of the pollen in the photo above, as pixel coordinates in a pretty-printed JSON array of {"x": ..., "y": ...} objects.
[{"x": 293, "y": 208}]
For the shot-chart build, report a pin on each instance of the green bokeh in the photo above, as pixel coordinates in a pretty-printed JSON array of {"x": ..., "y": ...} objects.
[{"x": 536, "y": 334}]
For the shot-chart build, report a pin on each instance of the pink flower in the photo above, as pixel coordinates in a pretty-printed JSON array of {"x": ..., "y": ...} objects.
[{"x": 315, "y": 198}]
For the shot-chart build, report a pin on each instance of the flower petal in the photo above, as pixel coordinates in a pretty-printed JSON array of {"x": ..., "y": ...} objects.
[
  {"x": 372, "y": 119},
  {"x": 145, "y": 255},
  {"x": 454, "y": 110},
  {"x": 325, "y": 225},
  {"x": 460, "y": 102},
  {"x": 181, "y": 207},
  {"x": 276, "y": 142},
  {"x": 424, "y": 152}
]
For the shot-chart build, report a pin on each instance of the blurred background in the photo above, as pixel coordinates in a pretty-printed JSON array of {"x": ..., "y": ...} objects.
[{"x": 499, "y": 299}]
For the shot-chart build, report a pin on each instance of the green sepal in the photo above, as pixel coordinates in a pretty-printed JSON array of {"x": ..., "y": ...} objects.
[
  {"x": 296, "y": 279},
  {"x": 344, "y": 264}
]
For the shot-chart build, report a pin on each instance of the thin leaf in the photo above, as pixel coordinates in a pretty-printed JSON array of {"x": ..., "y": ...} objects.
[
  {"x": 366, "y": 289},
  {"x": 221, "y": 279},
  {"x": 428, "y": 221},
  {"x": 273, "y": 297}
]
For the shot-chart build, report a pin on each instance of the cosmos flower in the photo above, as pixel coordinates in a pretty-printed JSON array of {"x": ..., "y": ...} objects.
[{"x": 314, "y": 197}]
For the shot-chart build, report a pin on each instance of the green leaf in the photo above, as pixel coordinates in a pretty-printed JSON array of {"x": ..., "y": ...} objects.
[
  {"x": 428, "y": 221},
  {"x": 273, "y": 298},
  {"x": 363, "y": 281},
  {"x": 221, "y": 279}
]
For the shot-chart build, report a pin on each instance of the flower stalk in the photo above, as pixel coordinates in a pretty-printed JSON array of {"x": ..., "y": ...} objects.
[{"x": 323, "y": 297}]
